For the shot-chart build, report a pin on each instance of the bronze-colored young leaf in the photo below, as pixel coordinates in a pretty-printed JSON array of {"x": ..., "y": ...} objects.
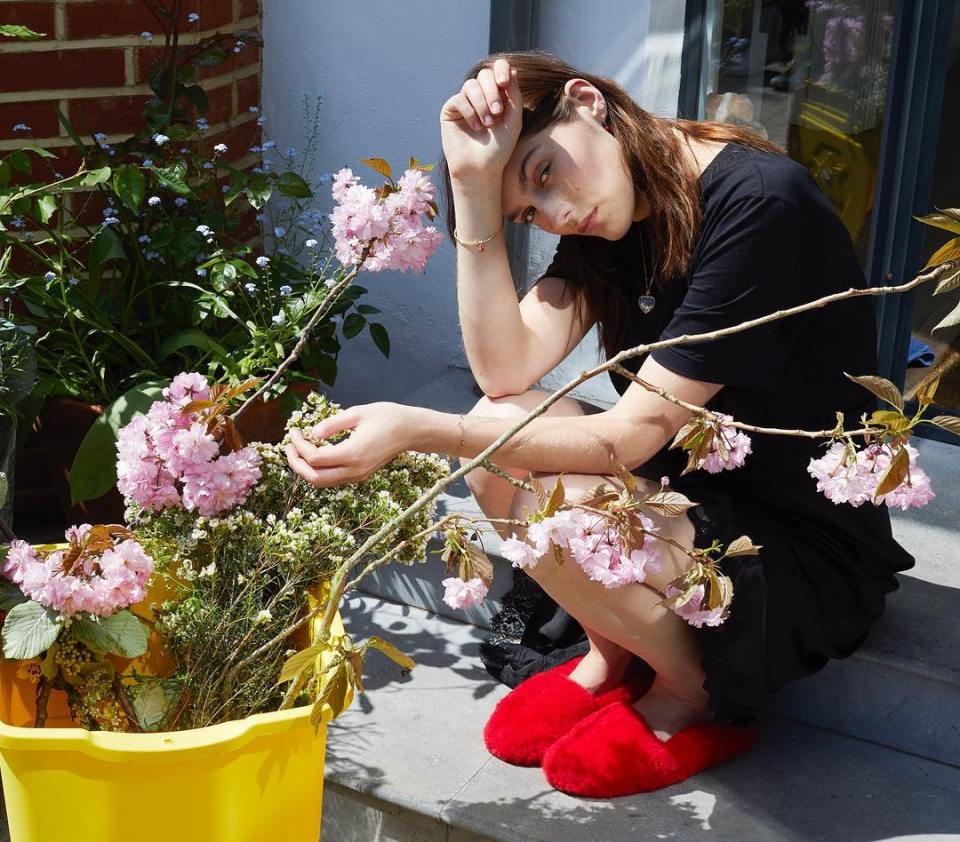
[
  {"x": 927, "y": 392},
  {"x": 948, "y": 282},
  {"x": 948, "y": 219},
  {"x": 475, "y": 564},
  {"x": 951, "y": 319},
  {"x": 333, "y": 693},
  {"x": 391, "y": 651},
  {"x": 380, "y": 165},
  {"x": 556, "y": 498},
  {"x": 883, "y": 389},
  {"x": 895, "y": 473},
  {"x": 742, "y": 546},
  {"x": 951, "y": 423},
  {"x": 539, "y": 490},
  {"x": 355, "y": 672},
  {"x": 298, "y": 662},
  {"x": 948, "y": 251},
  {"x": 687, "y": 431},
  {"x": 669, "y": 503}
]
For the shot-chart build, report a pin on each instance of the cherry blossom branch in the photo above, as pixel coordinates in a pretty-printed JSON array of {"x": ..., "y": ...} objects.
[
  {"x": 338, "y": 581},
  {"x": 740, "y": 425}
]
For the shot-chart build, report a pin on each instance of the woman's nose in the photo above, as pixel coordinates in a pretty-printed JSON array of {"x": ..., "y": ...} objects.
[{"x": 559, "y": 216}]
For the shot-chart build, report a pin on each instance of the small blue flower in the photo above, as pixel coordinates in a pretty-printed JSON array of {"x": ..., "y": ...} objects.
[
  {"x": 207, "y": 165},
  {"x": 111, "y": 220},
  {"x": 21, "y": 127},
  {"x": 179, "y": 201},
  {"x": 73, "y": 281},
  {"x": 311, "y": 244},
  {"x": 260, "y": 217},
  {"x": 253, "y": 109},
  {"x": 184, "y": 150},
  {"x": 18, "y": 222},
  {"x": 261, "y": 120},
  {"x": 236, "y": 48},
  {"x": 202, "y": 273},
  {"x": 193, "y": 17},
  {"x": 148, "y": 162},
  {"x": 286, "y": 289},
  {"x": 279, "y": 231},
  {"x": 49, "y": 276},
  {"x": 256, "y": 149},
  {"x": 99, "y": 137},
  {"x": 263, "y": 261},
  {"x": 280, "y": 318},
  {"x": 256, "y": 170},
  {"x": 290, "y": 153},
  {"x": 160, "y": 139},
  {"x": 269, "y": 144},
  {"x": 144, "y": 238},
  {"x": 153, "y": 201},
  {"x": 250, "y": 287},
  {"x": 204, "y": 230},
  {"x": 220, "y": 148},
  {"x": 224, "y": 188},
  {"x": 147, "y": 36}
]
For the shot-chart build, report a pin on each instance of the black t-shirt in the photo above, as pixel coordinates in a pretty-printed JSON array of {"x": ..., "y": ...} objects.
[{"x": 769, "y": 239}]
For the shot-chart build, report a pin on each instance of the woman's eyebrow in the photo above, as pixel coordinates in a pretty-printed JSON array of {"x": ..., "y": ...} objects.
[{"x": 523, "y": 176}]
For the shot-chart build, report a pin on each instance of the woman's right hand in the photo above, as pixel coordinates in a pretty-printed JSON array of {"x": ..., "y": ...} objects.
[{"x": 480, "y": 124}]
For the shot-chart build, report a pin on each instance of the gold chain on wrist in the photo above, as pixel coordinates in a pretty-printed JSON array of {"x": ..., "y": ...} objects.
[
  {"x": 477, "y": 244},
  {"x": 460, "y": 445}
]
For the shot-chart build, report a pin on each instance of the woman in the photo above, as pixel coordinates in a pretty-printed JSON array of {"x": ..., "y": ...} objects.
[{"x": 667, "y": 227}]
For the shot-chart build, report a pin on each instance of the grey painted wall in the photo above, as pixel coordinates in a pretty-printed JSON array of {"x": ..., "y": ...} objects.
[{"x": 384, "y": 69}]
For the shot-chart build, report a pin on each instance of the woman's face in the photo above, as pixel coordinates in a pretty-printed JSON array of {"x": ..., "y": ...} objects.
[{"x": 570, "y": 178}]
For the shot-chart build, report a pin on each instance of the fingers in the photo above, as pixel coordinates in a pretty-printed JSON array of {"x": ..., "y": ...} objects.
[
  {"x": 319, "y": 477},
  {"x": 481, "y": 100}
]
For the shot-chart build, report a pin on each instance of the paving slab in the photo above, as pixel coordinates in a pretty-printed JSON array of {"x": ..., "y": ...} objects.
[{"x": 414, "y": 744}]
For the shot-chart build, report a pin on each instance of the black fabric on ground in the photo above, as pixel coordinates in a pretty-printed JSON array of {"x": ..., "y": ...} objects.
[{"x": 769, "y": 239}]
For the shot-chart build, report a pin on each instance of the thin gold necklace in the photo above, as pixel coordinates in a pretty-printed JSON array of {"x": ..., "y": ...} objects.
[{"x": 647, "y": 301}]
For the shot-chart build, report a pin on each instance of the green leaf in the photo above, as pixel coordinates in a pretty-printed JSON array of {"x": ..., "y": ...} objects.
[
  {"x": 353, "y": 324},
  {"x": 291, "y": 184},
  {"x": 38, "y": 150},
  {"x": 190, "y": 338},
  {"x": 71, "y": 131},
  {"x": 20, "y": 161},
  {"x": 391, "y": 651},
  {"x": 105, "y": 245},
  {"x": 29, "y": 629},
  {"x": 380, "y": 338},
  {"x": 299, "y": 661},
  {"x": 174, "y": 177},
  {"x": 16, "y": 30},
  {"x": 950, "y": 423},
  {"x": 326, "y": 367},
  {"x": 258, "y": 190},
  {"x": 367, "y": 309},
  {"x": 10, "y": 594},
  {"x": 152, "y": 702},
  {"x": 94, "y": 469},
  {"x": 46, "y": 207},
  {"x": 211, "y": 57},
  {"x": 130, "y": 185},
  {"x": 122, "y": 634},
  {"x": 222, "y": 276},
  {"x": 198, "y": 97},
  {"x": 4, "y": 488},
  {"x": 94, "y": 177}
]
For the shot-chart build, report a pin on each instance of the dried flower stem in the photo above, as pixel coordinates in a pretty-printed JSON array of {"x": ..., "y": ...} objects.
[{"x": 121, "y": 693}]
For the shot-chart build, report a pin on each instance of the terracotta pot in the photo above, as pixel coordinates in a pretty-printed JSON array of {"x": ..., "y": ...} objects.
[
  {"x": 61, "y": 426},
  {"x": 264, "y": 421}
]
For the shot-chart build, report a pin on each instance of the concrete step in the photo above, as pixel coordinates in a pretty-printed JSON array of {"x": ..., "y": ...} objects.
[
  {"x": 407, "y": 762},
  {"x": 900, "y": 689}
]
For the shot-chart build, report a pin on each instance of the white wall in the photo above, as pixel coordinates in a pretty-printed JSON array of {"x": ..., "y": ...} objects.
[
  {"x": 638, "y": 43},
  {"x": 384, "y": 70}
]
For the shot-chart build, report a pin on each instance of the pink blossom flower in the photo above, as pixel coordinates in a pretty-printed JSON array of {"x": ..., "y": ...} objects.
[
  {"x": 738, "y": 446},
  {"x": 186, "y": 387},
  {"x": 460, "y": 594},
  {"x": 693, "y": 612},
  {"x": 519, "y": 553}
]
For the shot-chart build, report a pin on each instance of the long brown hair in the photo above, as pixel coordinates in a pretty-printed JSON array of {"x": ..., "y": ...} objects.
[{"x": 606, "y": 273}]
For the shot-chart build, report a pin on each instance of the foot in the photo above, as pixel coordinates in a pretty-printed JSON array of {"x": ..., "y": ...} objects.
[
  {"x": 597, "y": 673},
  {"x": 668, "y": 714}
]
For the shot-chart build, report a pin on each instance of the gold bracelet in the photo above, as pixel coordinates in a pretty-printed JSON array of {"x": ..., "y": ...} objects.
[
  {"x": 460, "y": 445},
  {"x": 477, "y": 244}
]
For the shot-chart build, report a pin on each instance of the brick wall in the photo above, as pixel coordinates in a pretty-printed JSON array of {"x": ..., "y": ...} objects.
[{"x": 94, "y": 64}]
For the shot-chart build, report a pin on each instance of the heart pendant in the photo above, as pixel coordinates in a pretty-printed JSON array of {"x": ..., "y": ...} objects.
[{"x": 647, "y": 303}]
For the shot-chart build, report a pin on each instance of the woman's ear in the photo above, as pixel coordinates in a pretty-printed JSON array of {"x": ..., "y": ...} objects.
[{"x": 588, "y": 96}]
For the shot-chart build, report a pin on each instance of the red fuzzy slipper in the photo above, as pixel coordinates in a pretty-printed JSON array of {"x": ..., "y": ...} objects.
[
  {"x": 614, "y": 752},
  {"x": 529, "y": 719}
]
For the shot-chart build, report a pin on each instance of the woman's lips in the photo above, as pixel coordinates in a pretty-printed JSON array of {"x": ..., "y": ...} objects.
[{"x": 585, "y": 226}]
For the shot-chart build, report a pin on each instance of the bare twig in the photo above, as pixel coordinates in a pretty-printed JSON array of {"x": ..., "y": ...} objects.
[{"x": 121, "y": 693}]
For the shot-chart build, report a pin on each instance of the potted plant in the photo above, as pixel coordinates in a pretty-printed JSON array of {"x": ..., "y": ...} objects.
[{"x": 148, "y": 261}]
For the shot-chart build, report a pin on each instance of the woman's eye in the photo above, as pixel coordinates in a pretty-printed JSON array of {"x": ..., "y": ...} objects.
[
  {"x": 528, "y": 216},
  {"x": 543, "y": 175}
]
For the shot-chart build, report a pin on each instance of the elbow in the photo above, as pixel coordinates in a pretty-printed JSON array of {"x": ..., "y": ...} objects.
[{"x": 499, "y": 388}]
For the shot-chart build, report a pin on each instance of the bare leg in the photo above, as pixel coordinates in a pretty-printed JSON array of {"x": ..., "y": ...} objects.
[{"x": 605, "y": 663}]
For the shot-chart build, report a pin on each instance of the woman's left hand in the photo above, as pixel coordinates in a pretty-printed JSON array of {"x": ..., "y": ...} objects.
[{"x": 379, "y": 432}]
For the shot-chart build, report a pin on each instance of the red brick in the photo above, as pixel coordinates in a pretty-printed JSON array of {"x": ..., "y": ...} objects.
[
  {"x": 61, "y": 69},
  {"x": 248, "y": 93},
  {"x": 239, "y": 139},
  {"x": 248, "y": 8},
  {"x": 41, "y": 116},
  {"x": 36, "y": 16},
  {"x": 220, "y": 104},
  {"x": 111, "y": 115},
  {"x": 131, "y": 17}
]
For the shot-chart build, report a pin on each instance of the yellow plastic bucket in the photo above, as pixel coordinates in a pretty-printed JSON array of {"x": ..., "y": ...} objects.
[{"x": 250, "y": 780}]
